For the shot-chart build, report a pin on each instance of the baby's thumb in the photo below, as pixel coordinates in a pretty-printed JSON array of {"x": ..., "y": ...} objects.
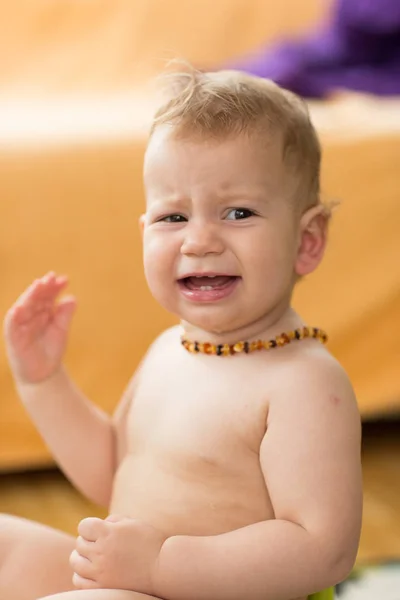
[{"x": 64, "y": 312}]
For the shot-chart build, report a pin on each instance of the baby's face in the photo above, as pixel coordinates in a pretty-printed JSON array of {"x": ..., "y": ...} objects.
[{"x": 218, "y": 209}]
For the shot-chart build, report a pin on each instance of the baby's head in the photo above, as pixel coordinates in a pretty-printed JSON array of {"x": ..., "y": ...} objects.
[
  {"x": 226, "y": 104},
  {"x": 232, "y": 188}
]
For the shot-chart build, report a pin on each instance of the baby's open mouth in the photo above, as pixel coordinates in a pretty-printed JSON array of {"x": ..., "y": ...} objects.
[{"x": 208, "y": 282}]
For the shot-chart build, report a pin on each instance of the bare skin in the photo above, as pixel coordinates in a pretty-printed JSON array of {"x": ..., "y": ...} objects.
[
  {"x": 250, "y": 453},
  {"x": 188, "y": 474}
]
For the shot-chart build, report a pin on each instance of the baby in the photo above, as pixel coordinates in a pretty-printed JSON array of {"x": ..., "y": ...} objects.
[{"x": 231, "y": 467}]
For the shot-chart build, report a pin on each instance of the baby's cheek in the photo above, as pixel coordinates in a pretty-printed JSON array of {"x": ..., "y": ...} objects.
[
  {"x": 157, "y": 271},
  {"x": 157, "y": 252},
  {"x": 161, "y": 283},
  {"x": 153, "y": 261}
]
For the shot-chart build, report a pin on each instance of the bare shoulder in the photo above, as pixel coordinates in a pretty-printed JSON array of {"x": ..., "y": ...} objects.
[
  {"x": 314, "y": 386},
  {"x": 166, "y": 341},
  {"x": 159, "y": 346},
  {"x": 314, "y": 371},
  {"x": 167, "y": 337}
]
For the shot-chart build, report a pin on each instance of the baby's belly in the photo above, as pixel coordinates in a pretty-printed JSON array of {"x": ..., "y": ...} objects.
[
  {"x": 197, "y": 501},
  {"x": 202, "y": 501}
]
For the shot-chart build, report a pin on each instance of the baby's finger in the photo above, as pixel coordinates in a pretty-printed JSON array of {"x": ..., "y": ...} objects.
[
  {"x": 27, "y": 294},
  {"x": 91, "y": 528},
  {"x": 84, "y": 548},
  {"x": 81, "y": 565},
  {"x": 64, "y": 311},
  {"x": 20, "y": 316},
  {"x": 46, "y": 288},
  {"x": 24, "y": 313},
  {"x": 81, "y": 583}
]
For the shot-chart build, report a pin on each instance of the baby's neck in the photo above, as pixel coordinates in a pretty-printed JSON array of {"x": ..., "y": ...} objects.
[{"x": 266, "y": 328}]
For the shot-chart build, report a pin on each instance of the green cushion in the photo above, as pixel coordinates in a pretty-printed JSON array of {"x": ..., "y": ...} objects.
[{"x": 324, "y": 595}]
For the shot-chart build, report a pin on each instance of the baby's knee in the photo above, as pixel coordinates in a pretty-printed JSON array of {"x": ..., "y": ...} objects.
[
  {"x": 6, "y": 529},
  {"x": 11, "y": 532},
  {"x": 9, "y": 525},
  {"x": 6, "y": 543},
  {"x": 8, "y": 522},
  {"x": 6, "y": 526},
  {"x": 5, "y": 518}
]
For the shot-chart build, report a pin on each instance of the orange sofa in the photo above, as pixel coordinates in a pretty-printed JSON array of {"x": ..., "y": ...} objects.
[{"x": 75, "y": 105}]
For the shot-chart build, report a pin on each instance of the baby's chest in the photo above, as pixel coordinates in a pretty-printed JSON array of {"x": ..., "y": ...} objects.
[{"x": 210, "y": 416}]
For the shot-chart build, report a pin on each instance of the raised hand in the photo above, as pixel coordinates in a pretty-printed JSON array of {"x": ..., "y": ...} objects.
[{"x": 36, "y": 329}]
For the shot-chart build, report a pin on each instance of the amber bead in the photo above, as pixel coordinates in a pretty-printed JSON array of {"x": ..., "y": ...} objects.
[
  {"x": 282, "y": 339},
  {"x": 238, "y": 347}
]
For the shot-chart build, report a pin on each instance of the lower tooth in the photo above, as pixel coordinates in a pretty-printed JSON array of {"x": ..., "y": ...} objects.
[{"x": 205, "y": 288}]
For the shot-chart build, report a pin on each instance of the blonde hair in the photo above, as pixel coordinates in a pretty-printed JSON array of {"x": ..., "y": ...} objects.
[{"x": 227, "y": 103}]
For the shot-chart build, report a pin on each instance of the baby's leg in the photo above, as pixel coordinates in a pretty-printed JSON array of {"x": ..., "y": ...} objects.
[
  {"x": 100, "y": 595},
  {"x": 34, "y": 560}
]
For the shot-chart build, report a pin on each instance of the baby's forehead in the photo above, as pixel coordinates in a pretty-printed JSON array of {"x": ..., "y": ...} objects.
[
  {"x": 260, "y": 138},
  {"x": 245, "y": 151},
  {"x": 241, "y": 166}
]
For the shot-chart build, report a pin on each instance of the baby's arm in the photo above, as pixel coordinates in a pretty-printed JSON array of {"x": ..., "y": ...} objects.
[
  {"x": 310, "y": 457},
  {"x": 80, "y": 435}
]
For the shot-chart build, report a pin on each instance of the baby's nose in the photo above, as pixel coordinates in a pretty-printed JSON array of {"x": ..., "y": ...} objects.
[{"x": 201, "y": 239}]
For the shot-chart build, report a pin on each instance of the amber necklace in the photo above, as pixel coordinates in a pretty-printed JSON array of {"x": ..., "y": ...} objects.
[{"x": 280, "y": 340}]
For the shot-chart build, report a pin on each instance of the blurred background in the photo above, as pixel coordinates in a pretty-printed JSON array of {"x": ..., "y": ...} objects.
[{"x": 76, "y": 99}]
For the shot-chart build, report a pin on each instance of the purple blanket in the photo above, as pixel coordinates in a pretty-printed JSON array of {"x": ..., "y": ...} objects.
[{"x": 359, "y": 49}]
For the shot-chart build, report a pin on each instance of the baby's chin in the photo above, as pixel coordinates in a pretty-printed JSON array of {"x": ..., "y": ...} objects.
[
  {"x": 225, "y": 321},
  {"x": 211, "y": 325},
  {"x": 210, "y": 318}
]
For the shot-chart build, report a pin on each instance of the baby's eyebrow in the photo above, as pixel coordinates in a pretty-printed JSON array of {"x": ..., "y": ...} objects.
[
  {"x": 174, "y": 200},
  {"x": 232, "y": 191},
  {"x": 171, "y": 203},
  {"x": 256, "y": 197}
]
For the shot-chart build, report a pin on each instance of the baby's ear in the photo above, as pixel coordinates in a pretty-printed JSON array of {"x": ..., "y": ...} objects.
[
  {"x": 141, "y": 224},
  {"x": 312, "y": 242}
]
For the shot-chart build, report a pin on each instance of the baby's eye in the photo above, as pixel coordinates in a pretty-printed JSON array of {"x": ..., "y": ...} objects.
[
  {"x": 174, "y": 219},
  {"x": 237, "y": 214}
]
